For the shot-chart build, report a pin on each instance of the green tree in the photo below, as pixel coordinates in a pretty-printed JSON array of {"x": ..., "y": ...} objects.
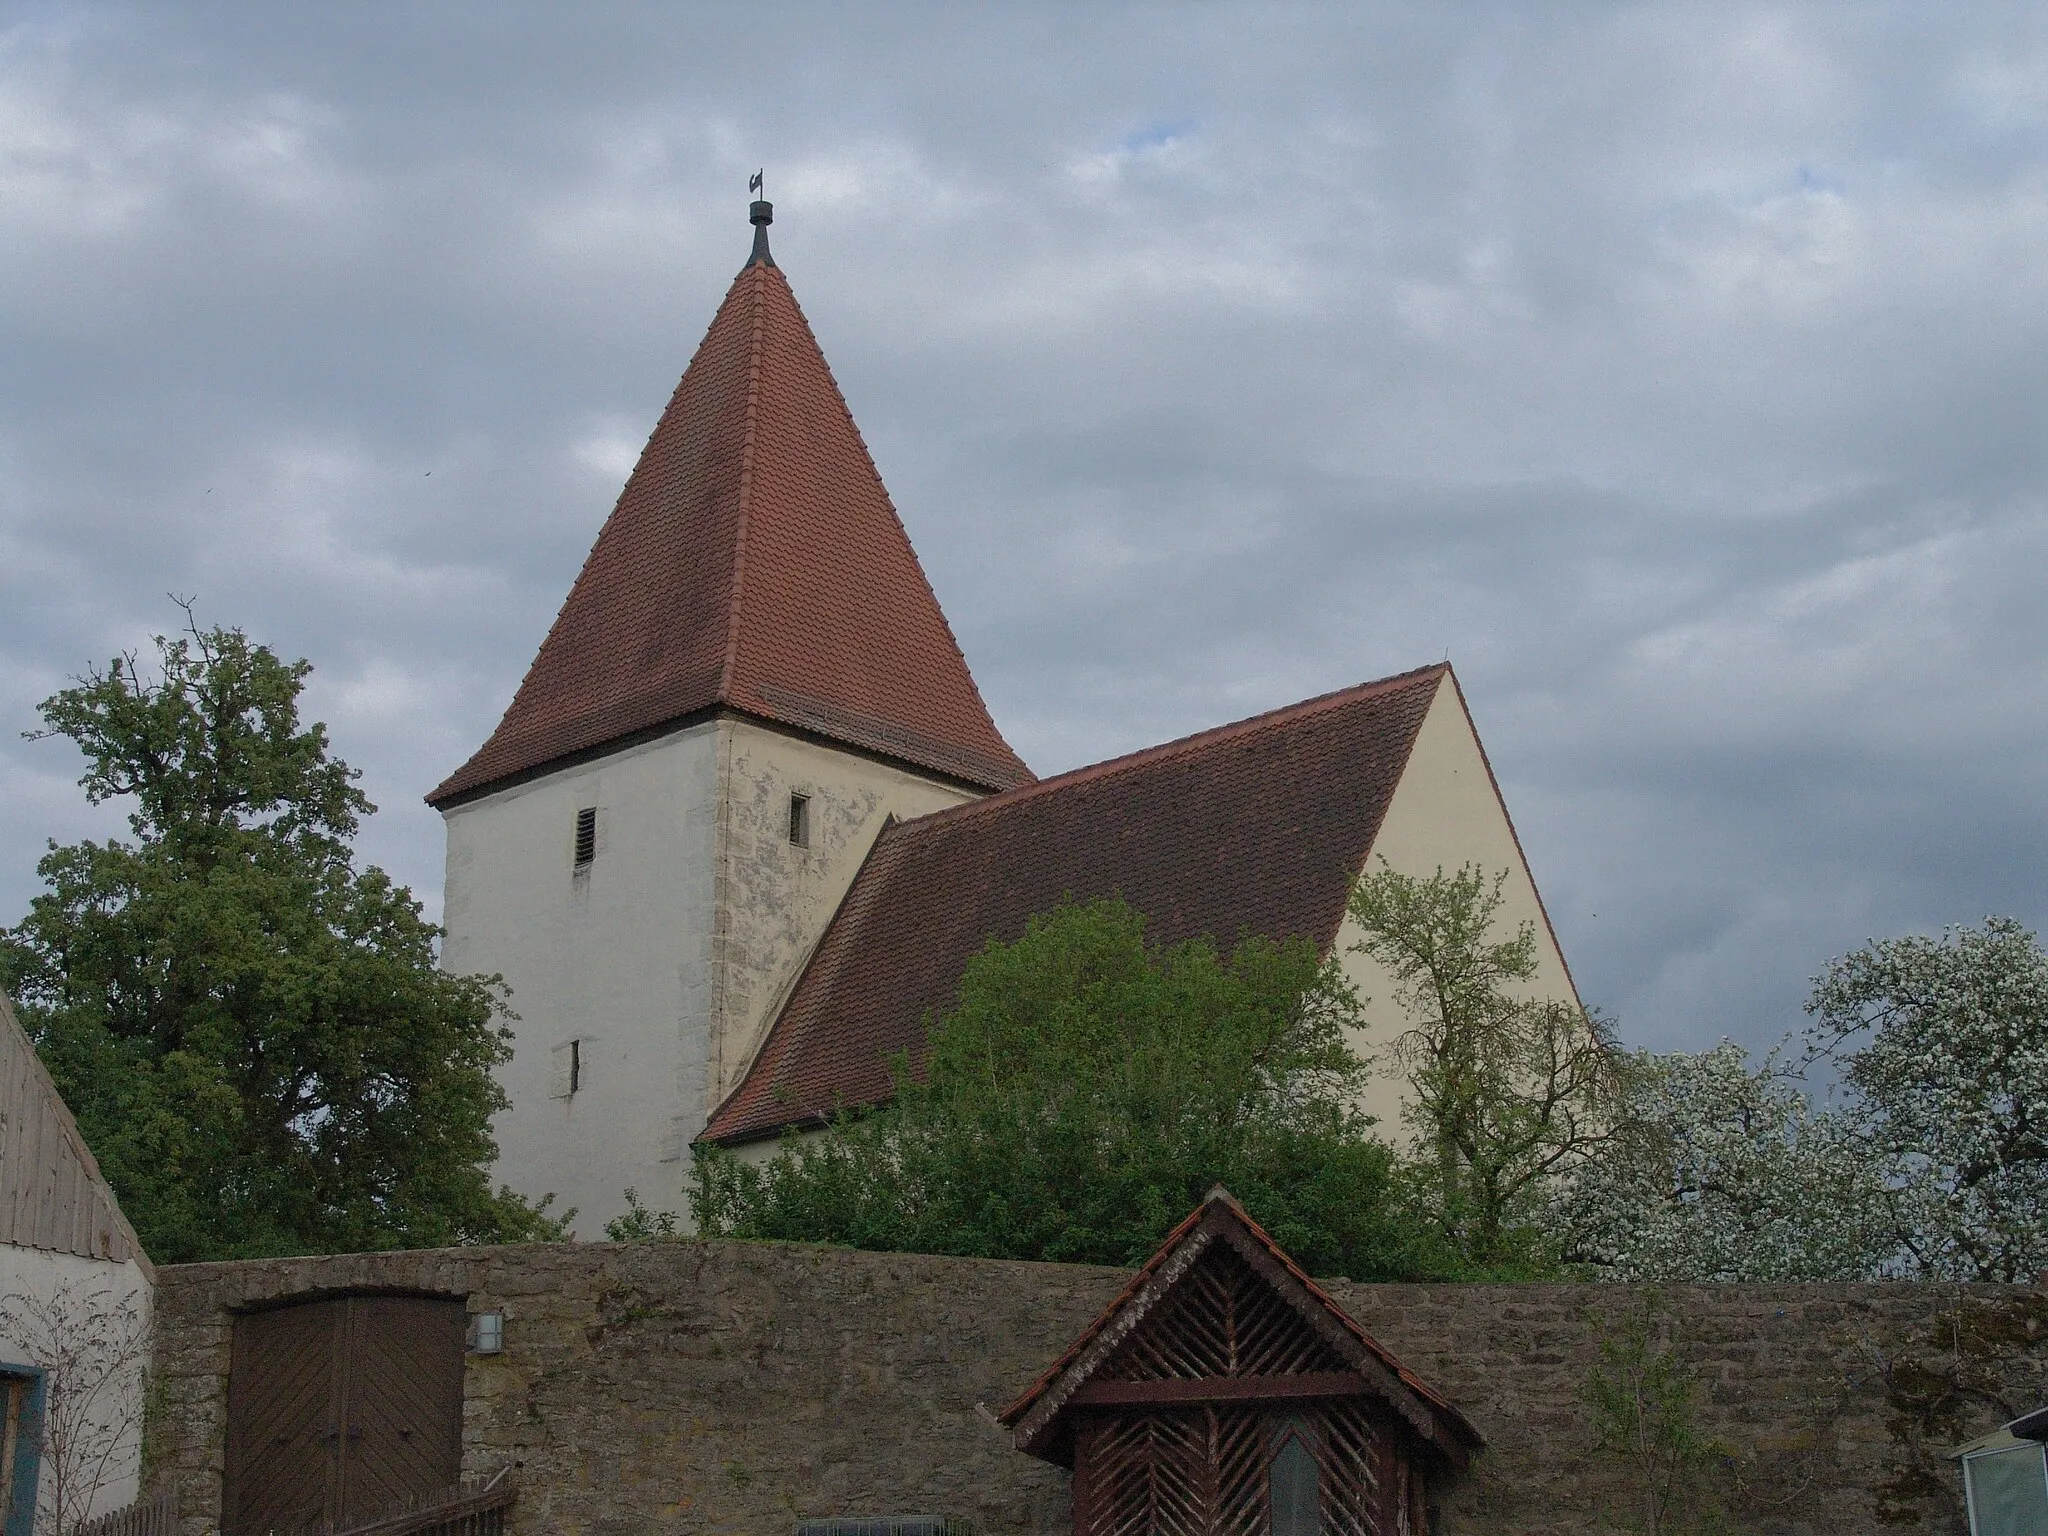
[
  {"x": 641, "y": 1225},
  {"x": 1508, "y": 1094},
  {"x": 254, "y": 1035},
  {"x": 1643, "y": 1398},
  {"x": 1082, "y": 1096}
]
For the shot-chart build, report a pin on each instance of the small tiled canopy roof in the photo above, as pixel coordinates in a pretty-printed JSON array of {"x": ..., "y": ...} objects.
[
  {"x": 1040, "y": 1416},
  {"x": 755, "y": 563},
  {"x": 1256, "y": 828}
]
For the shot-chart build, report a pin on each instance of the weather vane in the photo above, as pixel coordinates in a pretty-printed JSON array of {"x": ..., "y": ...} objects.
[{"x": 760, "y": 215}]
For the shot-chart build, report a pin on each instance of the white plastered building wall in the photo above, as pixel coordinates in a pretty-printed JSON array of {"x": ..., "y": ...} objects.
[
  {"x": 1446, "y": 812},
  {"x": 89, "y": 1318},
  {"x": 644, "y": 981},
  {"x": 76, "y": 1295}
]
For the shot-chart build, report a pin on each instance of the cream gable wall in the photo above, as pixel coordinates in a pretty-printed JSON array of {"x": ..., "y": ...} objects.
[
  {"x": 665, "y": 959},
  {"x": 1445, "y": 813}
]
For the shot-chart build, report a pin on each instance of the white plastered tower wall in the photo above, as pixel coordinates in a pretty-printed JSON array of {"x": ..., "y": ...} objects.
[
  {"x": 1446, "y": 812},
  {"x": 615, "y": 959},
  {"x": 661, "y": 961}
]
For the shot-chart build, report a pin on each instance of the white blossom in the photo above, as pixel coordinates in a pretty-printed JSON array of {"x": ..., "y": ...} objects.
[
  {"x": 1942, "y": 1046},
  {"x": 1721, "y": 1172},
  {"x": 1935, "y": 1165}
]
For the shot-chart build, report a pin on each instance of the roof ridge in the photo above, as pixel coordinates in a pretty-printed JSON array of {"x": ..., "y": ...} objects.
[
  {"x": 1330, "y": 1304},
  {"x": 860, "y": 440},
  {"x": 1144, "y": 756},
  {"x": 739, "y": 538},
  {"x": 608, "y": 529}
]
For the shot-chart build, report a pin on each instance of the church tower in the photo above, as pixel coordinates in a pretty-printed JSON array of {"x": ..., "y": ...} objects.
[{"x": 749, "y": 678}]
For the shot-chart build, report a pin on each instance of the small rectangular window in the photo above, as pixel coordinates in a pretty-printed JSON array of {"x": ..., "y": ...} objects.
[
  {"x": 21, "y": 1416},
  {"x": 586, "y": 836},
  {"x": 2007, "y": 1491},
  {"x": 565, "y": 1077},
  {"x": 800, "y": 820}
]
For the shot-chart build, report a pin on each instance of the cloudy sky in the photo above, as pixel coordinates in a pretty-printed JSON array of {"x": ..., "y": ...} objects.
[{"x": 1678, "y": 371}]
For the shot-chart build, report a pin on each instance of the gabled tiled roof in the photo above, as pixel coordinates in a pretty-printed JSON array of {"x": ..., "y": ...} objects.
[
  {"x": 754, "y": 562},
  {"x": 1252, "y": 828},
  {"x": 1219, "y": 1218}
]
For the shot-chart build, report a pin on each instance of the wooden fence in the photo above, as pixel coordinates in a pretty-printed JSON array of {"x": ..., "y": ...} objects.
[
  {"x": 145, "y": 1517},
  {"x": 476, "y": 1508}
]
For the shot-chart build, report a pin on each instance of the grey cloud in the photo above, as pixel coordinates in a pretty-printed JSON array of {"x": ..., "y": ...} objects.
[{"x": 1677, "y": 369}]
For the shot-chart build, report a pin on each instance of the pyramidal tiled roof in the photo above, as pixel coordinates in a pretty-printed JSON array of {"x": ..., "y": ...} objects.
[
  {"x": 1253, "y": 828},
  {"x": 754, "y": 562}
]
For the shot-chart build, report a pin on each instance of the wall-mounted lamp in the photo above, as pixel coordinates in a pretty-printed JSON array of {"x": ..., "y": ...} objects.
[{"x": 487, "y": 1332}]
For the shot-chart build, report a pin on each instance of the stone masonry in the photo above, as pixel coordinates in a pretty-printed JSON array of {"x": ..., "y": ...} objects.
[{"x": 733, "y": 1387}]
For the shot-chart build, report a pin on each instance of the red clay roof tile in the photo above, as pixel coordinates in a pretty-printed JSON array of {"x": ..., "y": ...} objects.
[
  {"x": 1252, "y": 828},
  {"x": 754, "y": 562}
]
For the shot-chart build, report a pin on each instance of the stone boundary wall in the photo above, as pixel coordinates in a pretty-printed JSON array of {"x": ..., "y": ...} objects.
[{"x": 735, "y": 1387}]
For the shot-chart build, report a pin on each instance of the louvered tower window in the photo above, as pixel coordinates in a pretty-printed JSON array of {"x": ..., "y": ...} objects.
[
  {"x": 800, "y": 820},
  {"x": 586, "y": 837}
]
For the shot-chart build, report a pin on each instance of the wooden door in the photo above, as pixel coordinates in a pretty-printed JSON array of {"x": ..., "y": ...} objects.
[
  {"x": 281, "y": 1405},
  {"x": 402, "y": 1418},
  {"x": 339, "y": 1409}
]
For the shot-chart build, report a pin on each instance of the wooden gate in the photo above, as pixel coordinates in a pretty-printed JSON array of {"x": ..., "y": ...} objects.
[{"x": 340, "y": 1409}]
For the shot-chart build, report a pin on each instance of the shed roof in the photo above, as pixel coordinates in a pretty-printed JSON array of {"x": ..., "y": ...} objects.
[
  {"x": 1253, "y": 828},
  {"x": 52, "y": 1194}
]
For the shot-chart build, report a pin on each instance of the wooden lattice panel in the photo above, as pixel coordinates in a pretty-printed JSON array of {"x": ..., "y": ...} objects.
[
  {"x": 1173, "y": 1474},
  {"x": 1348, "y": 1454},
  {"x": 1222, "y": 1319},
  {"x": 1204, "y": 1472}
]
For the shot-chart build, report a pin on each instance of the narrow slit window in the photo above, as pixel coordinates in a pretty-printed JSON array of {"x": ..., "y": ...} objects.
[
  {"x": 567, "y": 1073},
  {"x": 586, "y": 836},
  {"x": 800, "y": 820}
]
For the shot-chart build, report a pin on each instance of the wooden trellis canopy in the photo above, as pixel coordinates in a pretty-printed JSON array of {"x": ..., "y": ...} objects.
[{"x": 1225, "y": 1392}]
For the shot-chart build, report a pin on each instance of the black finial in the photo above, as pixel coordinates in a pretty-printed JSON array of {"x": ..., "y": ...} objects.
[{"x": 762, "y": 214}]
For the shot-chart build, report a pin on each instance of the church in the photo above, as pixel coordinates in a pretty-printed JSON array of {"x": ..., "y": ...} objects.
[{"x": 747, "y": 816}]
